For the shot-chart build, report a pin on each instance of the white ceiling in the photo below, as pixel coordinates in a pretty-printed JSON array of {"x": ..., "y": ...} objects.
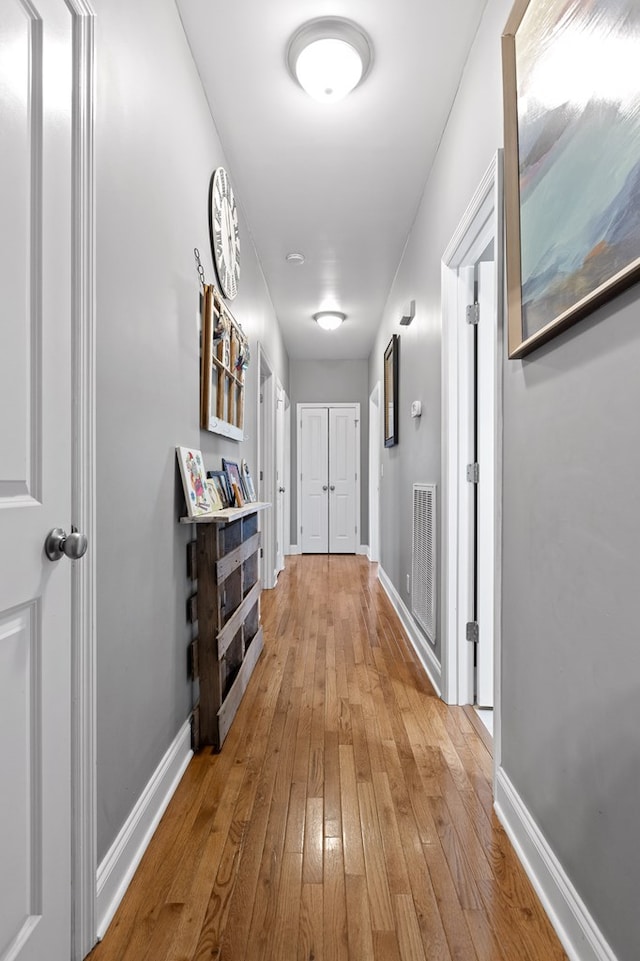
[{"x": 340, "y": 182}]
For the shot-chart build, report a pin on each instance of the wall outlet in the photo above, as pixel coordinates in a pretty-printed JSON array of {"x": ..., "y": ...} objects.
[{"x": 408, "y": 583}]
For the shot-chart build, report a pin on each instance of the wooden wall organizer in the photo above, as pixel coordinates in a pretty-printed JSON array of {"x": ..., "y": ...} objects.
[
  {"x": 221, "y": 378},
  {"x": 228, "y": 604}
]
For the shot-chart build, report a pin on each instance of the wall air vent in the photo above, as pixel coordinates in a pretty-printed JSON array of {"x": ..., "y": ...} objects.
[{"x": 423, "y": 568}]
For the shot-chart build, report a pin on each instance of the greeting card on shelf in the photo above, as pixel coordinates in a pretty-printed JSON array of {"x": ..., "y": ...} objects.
[{"x": 194, "y": 480}]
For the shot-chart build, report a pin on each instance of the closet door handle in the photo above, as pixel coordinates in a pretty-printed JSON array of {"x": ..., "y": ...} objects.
[
  {"x": 332, "y": 487},
  {"x": 324, "y": 487}
]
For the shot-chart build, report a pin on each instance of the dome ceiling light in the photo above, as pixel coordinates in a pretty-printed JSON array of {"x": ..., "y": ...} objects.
[
  {"x": 329, "y": 319},
  {"x": 329, "y": 57}
]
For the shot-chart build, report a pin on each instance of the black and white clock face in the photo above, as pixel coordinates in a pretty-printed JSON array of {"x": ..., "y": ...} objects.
[{"x": 225, "y": 239}]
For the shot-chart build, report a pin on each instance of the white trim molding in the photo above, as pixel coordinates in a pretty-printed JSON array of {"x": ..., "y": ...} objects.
[
  {"x": 294, "y": 549},
  {"x": 578, "y": 932},
  {"x": 481, "y": 223},
  {"x": 124, "y": 855},
  {"x": 416, "y": 638},
  {"x": 363, "y": 550},
  {"x": 83, "y": 499}
]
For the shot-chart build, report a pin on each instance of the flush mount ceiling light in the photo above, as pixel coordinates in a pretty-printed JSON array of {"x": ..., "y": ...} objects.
[
  {"x": 295, "y": 258},
  {"x": 329, "y": 319},
  {"x": 329, "y": 57}
]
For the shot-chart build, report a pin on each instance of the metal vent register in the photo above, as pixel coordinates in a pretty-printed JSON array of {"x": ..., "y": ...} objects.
[{"x": 423, "y": 567}]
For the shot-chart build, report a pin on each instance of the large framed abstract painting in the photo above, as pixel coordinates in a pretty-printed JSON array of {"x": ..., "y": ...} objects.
[{"x": 572, "y": 161}]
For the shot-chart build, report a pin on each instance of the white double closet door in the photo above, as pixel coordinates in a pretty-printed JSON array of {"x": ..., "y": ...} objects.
[{"x": 329, "y": 468}]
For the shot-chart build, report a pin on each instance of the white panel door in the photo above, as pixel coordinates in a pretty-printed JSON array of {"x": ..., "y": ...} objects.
[
  {"x": 342, "y": 479},
  {"x": 35, "y": 478},
  {"x": 314, "y": 482}
]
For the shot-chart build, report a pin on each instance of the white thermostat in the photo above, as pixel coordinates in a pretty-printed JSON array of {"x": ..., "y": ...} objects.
[{"x": 416, "y": 408}]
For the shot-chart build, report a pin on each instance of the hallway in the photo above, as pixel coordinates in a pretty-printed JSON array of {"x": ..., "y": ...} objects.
[{"x": 348, "y": 816}]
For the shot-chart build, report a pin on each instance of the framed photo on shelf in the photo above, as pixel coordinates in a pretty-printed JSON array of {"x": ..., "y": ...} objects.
[
  {"x": 391, "y": 392},
  {"x": 248, "y": 482},
  {"x": 214, "y": 494},
  {"x": 194, "y": 481},
  {"x": 221, "y": 483},
  {"x": 235, "y": 480},
  {"x": 572, "y": 167}
]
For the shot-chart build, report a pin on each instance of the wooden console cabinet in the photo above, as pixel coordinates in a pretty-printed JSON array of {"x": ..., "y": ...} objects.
[{"x": 227, "y": 608}]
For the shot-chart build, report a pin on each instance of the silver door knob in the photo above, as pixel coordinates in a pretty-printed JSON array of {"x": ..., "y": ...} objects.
[
  {"x": 332, "y": 487},
  {"x": 58, "y": 542},
  {"x": 324, "y": 487},
  {"x": 281, "y": 490}
]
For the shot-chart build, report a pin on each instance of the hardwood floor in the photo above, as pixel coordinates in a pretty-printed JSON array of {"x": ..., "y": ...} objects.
[{"x": 348, "y": 816}]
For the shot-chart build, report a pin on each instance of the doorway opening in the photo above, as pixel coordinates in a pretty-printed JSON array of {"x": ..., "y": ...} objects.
[
  {"x": 282, "y": 468},
  {"x": 375, "y": 442},
  {"x": 266, "y": 466},
  {"x": 472, "y": 371}
]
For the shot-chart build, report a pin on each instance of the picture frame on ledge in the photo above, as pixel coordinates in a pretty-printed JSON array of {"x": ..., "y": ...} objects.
[
  {"x": 221, "y": 481},
  {"x": 194, "y": 481},
  {"x": 247, "y": 482},
  {"x": 214, "y": 494},
  {"x": 391, "y": 363},
  {"x": 232, "y": 471}
]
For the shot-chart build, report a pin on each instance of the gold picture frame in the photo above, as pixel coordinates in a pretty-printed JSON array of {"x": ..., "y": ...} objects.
[{"x": 572, "y": 167}]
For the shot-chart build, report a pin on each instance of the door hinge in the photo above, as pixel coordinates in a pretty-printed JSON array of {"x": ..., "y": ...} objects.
[
  {"x": 261, "y": 552},
  {"x": 473, "y": 313},
  {"x": 473, "y": 632},
  {"x": 473, "y": 473},
  {"x": 261, "y": 476}
]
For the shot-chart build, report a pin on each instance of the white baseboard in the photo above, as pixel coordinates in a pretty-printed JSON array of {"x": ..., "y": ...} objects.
[
  {"x": 420, "y": 644},
  {"x": 580, "y": 936},
  {"x": 118, "y": 867},
  {"x": 363, "y": 550},
  {"x": 294, "y": 549}
]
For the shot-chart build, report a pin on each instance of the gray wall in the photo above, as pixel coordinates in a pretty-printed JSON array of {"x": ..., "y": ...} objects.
[
  {"x": 156, "y": 148},
  {"x": 333, "y": 382},
  {"x": 571, "y": 525},
  {"x": 571, "y": 659}
]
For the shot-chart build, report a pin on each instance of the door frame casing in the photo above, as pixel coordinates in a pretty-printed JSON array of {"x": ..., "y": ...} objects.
[
  {"x": 84, "y": 858},
  {"x": 282, "y": 461},
  {"x": 327, "y": 406},
  {"x": 481, "y": 223},
  {"x": 375, "y": 460},
  {"x": 266, "y": 462}
]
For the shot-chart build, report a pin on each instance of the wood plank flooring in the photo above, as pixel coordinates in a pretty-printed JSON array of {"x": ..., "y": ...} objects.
[{"x": 348, "y": 816}]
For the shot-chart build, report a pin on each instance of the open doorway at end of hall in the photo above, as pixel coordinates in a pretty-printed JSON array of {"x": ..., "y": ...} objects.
[{"x": 328, "y": 472}]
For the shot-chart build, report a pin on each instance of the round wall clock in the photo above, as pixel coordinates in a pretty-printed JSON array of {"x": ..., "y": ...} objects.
[{"x": 225, "y": 239}]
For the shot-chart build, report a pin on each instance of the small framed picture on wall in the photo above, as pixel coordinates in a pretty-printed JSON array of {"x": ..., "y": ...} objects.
[{"x": 391, "y": 392}]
